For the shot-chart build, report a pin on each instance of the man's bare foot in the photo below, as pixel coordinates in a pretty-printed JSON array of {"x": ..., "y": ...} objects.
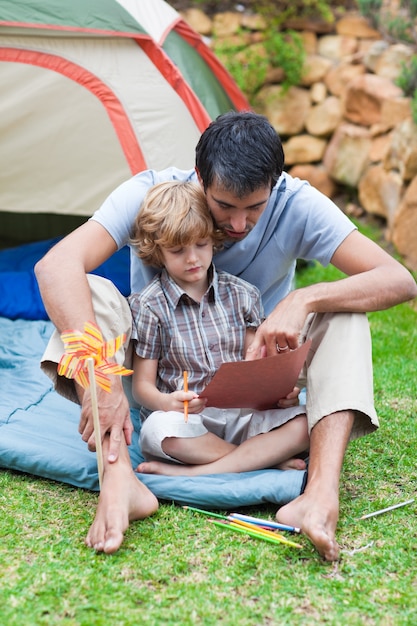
[
  {"x": 317, "y": 517},
  {"x": 123, "y": 499}
]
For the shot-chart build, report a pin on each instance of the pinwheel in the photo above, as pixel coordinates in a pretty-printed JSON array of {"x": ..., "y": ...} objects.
[{"x": 86, "y": 360}]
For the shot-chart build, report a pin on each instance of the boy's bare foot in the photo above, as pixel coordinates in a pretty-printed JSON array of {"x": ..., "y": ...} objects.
[
  {"x": 123, "y": 499},
  {"x": 172, "y": 469},
  {"x": 293, "y": 464},
  {"x": 166, "y": 469},
  {"x": 317, "y": 517}
]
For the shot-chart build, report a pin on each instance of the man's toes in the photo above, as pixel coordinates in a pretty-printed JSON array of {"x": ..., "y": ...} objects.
[{"x": 113, "y": 543}]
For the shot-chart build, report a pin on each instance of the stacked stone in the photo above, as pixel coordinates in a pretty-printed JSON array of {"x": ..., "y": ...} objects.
[{"x": 347, "y": 124}]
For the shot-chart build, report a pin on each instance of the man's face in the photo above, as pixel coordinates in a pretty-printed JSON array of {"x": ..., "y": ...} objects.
[{"x": 236, "y": 216}]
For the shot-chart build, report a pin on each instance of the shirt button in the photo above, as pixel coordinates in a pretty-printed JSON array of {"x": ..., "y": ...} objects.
[{"x": 203, "y": 315}]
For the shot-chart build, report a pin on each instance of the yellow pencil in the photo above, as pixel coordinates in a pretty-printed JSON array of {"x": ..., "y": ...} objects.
[
  {"x": 266, "y": 533},
  {"x": 185, "y": 401}
]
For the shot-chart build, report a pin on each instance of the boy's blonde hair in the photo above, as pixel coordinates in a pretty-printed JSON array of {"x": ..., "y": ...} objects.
[{"x": 172, "y": 214}]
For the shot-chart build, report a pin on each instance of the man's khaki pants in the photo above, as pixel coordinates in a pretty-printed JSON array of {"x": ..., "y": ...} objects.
[{"x": 337, "y": 373}]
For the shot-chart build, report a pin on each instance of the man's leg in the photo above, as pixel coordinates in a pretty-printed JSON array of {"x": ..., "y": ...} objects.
[
  {"x": 339, "y": 407},
  {"x": 123, "y": 499},
  {"x": 316, "y": 511},
  {"x": 114, "y": 318}
]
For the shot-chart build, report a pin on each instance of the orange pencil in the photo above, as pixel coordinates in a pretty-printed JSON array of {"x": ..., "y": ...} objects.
[{"x": 185, "y": 401}]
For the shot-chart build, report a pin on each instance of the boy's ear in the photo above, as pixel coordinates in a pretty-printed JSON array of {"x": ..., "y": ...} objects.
[{"x": 200, "y": 180}]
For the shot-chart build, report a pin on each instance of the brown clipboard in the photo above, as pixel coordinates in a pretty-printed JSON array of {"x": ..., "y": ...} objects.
[{"x": 256, "y": 384}]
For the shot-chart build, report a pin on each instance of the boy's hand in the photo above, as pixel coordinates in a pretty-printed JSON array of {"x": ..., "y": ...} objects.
[
  {"x": 175, "y": 402},
  {"x": 290, "y": 400}
]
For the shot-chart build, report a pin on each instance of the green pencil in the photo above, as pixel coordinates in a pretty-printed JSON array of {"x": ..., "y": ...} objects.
[
  {"x": 253, "y": 533},
  {"x": 190, "y": 508}
]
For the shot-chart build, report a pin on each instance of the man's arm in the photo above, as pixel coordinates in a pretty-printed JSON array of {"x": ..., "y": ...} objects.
[
  {"x": 61, "y": 274},
  {"x": 374, "y": 281},
  {"x": 63, "y": 284}
]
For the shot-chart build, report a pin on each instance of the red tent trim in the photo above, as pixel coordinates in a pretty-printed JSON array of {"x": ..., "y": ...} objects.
[{"x": 174, "y": 77}]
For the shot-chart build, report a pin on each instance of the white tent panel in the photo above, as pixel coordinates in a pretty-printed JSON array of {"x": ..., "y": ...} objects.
[
  {"x": 156, "y": 18},
  {"x": 57, "y": 126},
  {"x": 40, "y": 136}
]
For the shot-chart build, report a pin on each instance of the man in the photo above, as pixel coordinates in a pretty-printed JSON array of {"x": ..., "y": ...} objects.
[{"x": 270, "y": 220}]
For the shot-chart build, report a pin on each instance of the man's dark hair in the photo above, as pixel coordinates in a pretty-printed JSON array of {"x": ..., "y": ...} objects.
[{"x": 241, "y": 151}]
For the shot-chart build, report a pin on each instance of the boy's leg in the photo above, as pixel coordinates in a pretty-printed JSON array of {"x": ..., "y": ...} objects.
[
  {"x": 193, "y": 451},
  {"x": 166, "y": 436},
  {"x": 259, "y": 452}
]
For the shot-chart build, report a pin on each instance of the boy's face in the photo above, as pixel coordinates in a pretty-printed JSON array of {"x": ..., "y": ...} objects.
[
  {"x": 236, "y": 216},
  {"x": 188, "y": 265}
]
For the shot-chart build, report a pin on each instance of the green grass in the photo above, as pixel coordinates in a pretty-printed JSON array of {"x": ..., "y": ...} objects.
[{"x": 177, "y": 568}]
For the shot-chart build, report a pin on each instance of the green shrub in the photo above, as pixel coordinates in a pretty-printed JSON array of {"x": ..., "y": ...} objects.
[
  {"x": 370, "y": 9},
  {"x": 249, "y": 64},
  {"x": 407, "y": 81}
]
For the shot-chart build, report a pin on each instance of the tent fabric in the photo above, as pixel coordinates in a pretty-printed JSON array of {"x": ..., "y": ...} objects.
[
  {"x": 19, "y": 292},
  {"x": 94, "y": 91}
]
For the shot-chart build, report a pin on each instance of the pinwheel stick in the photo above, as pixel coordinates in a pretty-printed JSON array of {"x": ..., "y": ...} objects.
[
  {"x": 86, "y": 359},
  {"x": 96, "y": 420}
]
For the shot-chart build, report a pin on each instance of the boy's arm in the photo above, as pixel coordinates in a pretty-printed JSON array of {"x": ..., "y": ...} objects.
[
  {"x": 144, "y": 387},
  {"x": 249, "y": 337},
  {"x": 146, "y": 393}
]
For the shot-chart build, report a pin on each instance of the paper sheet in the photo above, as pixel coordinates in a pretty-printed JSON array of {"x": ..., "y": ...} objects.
[{"x": 256, "y": 384}]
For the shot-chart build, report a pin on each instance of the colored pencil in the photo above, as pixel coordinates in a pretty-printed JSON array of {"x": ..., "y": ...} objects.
[
  {"x": 253, "y": 533},
  {"x": 185, "y": 401},
  {"x": 211, "y": 514},
  {"x": 204, "y": 512},
  {"x": 389, "y": 508},
  {"x": 265, "y": 523},
  {"x": 258, "y": 529},
  {"x": 267, "y": 533}
]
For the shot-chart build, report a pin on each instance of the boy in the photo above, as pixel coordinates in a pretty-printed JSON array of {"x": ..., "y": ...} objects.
[{"x": 191, "y": 317}]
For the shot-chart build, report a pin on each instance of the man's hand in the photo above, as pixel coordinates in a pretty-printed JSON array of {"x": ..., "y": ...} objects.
[
  {"x": 114, "y": 415},
  {"x": 282, "y": 328}
]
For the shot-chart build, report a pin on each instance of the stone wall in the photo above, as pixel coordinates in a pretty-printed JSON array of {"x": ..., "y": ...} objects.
[{"x": 346, "y": 125}]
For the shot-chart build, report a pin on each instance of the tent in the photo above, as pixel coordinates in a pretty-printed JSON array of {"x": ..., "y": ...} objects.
[{"x": 94, "y": 91}]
